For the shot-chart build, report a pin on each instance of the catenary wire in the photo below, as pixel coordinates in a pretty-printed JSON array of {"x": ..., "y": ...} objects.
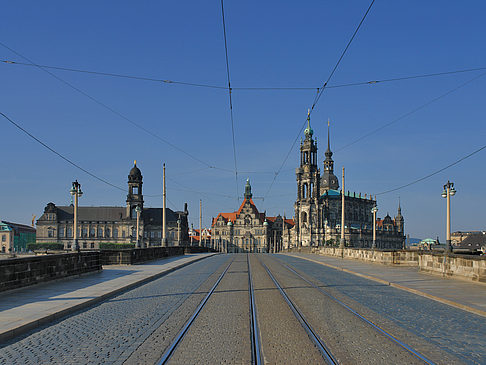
[
  {"x": 115, "y": 112},
  {"x": 230, "y": 96},
  {"x": 319, "y": 93},
  {"x": 435, "y": 172},
  {"x": 410, "y": 112},
  {"x": 249, "y": 88},
  {"x": 59, "y": 154}
]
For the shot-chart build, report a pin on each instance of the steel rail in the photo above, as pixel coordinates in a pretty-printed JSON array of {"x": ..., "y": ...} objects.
[
  {"x": 170, "y": 350},
  {"x": 379, "y": 329},
  {"x": 256, "y": 348},
  {"x": 326, "y": 353}
]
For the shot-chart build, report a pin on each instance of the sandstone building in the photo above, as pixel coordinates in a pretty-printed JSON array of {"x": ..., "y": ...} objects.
[
  {"x": 97, "y": 225},
  {"x": 318, "y": 207}
]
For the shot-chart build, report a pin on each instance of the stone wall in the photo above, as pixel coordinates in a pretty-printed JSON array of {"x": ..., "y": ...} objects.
[
  {"x": 467, "y": 267},
  {"x": 19, "y": 272},
  {"x": 137, "y": 255}
]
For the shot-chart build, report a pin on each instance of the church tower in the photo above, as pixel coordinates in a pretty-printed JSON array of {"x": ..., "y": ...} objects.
[
  {"x": 329, "y": 181},
  {"x": 135, "y": 196},
  {"x": 307, "y": 207},
  {"x": 399, "y": 220}
]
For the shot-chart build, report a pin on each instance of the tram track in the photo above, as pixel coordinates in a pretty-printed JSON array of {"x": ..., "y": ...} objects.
[
  {"x": 374, "y": 326},
  {"x": 256, "y": 353},
  {"x": 323, "y": 349}
]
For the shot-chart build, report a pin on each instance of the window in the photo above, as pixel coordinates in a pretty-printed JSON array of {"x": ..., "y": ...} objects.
[
  {"x": 107, "y": 232},
  {"x": 85, "y": 245},
  {"x": 100, "y": 232},
  {"x": 61, "y": 232},
  {"x": 115, "y": 233},
  {"x": 50, "y": 232},
  {"x": 92, "y": 244},
  {"x": 135, "y": 190},
  {"x": 134, "y": 213},
  {"x": 152, "y": 234},
  {"x": 4, "y": 237},
  {"x": 84, "y": 232},
  {"x": 69, "y": 232},
  {"x": 159, "y": 234},
  {"x": 92, "y": 232},
  {"x": 123, "y": 234}
]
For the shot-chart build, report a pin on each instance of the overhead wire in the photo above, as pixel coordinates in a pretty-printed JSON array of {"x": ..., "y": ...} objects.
[
  {"x": 435, "y": 172},
  {"x": 230, "y": 96},
  {"x": 243, "y": 88},
  {"x": 15, "y": 124},
  {"x": 139, "y": 126},
  {"x": 410, "y": 112},
  {"x": 319, "y": 93}
]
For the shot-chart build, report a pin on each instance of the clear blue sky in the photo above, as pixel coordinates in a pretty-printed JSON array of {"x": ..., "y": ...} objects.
[{"x": 270, "y": 43}]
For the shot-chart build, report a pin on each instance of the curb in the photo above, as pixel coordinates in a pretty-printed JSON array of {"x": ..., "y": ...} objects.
[
  {"x": 405, "y": 288},
  {"x": 8, "y": 335}
]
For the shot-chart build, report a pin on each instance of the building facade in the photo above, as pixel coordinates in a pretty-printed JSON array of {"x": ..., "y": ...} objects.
[
  {"x": 97, "y": 225},
  {"x": 15, "y": 237},
  {"x": 318, "y": 207},
  {"x": 248, "y": 230}
]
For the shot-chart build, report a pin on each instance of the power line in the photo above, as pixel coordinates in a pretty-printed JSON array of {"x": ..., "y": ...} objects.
[
  {"x": 319, "y": 93},
  {"x": 410, "y": 112},
  {"x": 110, "y": 74},
  {"x": 435, "y": 172},
  {"x": 245, "y": 88},
  {"x": 230, "y": 96},
  {"x": 139, "y": 126},
  {"x": 59, "y": 154}
]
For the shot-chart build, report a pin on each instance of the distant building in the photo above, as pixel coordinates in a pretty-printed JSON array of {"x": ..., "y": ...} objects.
[
  {"x": 471, "y": 242},
  {"x": 195, "y": 237},
  {"x": 459, "y": 236},
  {"x": 318, "y": 206},
  {"x": 113, "y": 224},
  {"x": 15, "y": 237},
  {"x": 248, "y": 230}
]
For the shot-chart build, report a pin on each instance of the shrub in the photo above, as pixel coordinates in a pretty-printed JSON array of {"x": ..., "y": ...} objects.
[
  {"x": 115, "y": 246},
  {"x": 45, "y": 246}
]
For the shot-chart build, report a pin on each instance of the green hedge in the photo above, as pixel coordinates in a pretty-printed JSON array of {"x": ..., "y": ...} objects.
[
  {"x": 115, "y": 246},
  {"x": 45, "y": 246}
]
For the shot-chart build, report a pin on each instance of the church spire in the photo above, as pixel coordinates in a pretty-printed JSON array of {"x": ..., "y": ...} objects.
[{"x": 248, "y": 193}]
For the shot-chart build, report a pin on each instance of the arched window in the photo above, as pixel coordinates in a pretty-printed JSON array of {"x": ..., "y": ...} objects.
[
  {"x": 115, "y": 233},
  {"x": 107, "y": 232},
  {"x": 304, "y": 217}
]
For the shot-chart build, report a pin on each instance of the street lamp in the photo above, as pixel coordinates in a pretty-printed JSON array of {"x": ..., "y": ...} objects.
[
  {"x": 374, "y": 210},
  {"x": 76, "y": 192},
  {"x": 138, "y": 210},
  {"x": 447, "y": 193}
]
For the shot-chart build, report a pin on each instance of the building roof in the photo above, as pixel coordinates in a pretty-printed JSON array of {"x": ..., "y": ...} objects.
[
  {"x": 474, "y": 240},
  {"x": 334, "y": 193},
  {"x": 233, "y": 216},
  {"x": 112, "y": 214},
  {"x": 19, "y": 226}
]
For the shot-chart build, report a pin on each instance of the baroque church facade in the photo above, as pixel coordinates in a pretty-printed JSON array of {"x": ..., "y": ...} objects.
[
  {"x": 317, "y": 209},
  {"x": 248, "y": 230},
  {"x": 98, "y": 225}
]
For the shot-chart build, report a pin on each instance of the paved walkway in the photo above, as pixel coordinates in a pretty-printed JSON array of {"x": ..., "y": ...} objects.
[
  {"x": 461, "y": 294},
  {"x": 26, "y": 308}
]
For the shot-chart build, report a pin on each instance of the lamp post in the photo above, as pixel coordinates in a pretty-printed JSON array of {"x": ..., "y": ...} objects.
[
  {"x": 447, "y": 193},
  {"x": 374, "y": 210},
  {"x": 76, "y": 192},
  {"x": 138, "y": 210}
]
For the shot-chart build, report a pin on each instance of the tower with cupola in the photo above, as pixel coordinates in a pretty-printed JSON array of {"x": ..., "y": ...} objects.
[{"x": 307, "y": 205}]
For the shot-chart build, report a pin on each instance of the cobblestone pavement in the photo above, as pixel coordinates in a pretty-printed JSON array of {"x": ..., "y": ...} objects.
[
  {"x": 425, "y": 323},
  {"x": 283, "y": 339},
  {"x": 350, "y": 339},
  {"x": 221, "y": 332},
  {"x": 111, "y": 331}
]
